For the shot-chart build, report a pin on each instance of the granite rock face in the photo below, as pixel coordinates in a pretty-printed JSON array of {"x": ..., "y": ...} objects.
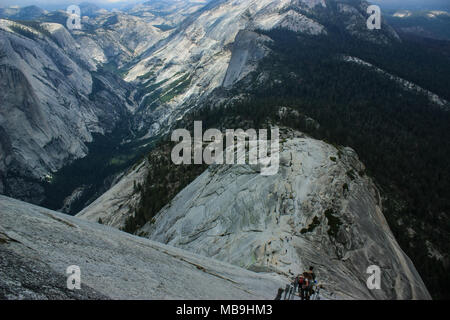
[
  {"x": 185, "y": 67},
  {"x": 319, "y": 210},
  {"x": 41, "y": 244},
  {"x": 24, "y": 278},
  {"x": 220, "y": 43},
  {"x": 248, "y": 49},
  {"x": 53, "y": 100},
  {"x": 117, "y": 37},
  {"x": 116, "y": 205}
]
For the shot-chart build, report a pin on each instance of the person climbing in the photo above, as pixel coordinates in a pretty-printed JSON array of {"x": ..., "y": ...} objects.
[
  {"x": 301, "y": 283},
  {"x": 311, "y": 273},
  {"x": 307, "y": 287}
]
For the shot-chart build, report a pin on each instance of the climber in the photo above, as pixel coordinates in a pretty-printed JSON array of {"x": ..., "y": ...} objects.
[
  {"x": 311, "y": 274},
  {"x": 304, "y": 288},
  {"x": 301, "y": 283},
  {"x": 308, "y": 282}
]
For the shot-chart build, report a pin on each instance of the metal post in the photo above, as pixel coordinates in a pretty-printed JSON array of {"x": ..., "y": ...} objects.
[{"x": 286, "y": 292}]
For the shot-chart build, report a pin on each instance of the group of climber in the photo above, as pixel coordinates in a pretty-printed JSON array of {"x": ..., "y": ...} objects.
[{"x": 305, "y": 284}]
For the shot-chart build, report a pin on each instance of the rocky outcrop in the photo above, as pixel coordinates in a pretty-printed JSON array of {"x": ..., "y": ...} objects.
[
  {"x": 114, "y": 265},
  {"x": 354, "y": 18},
  {"x": 320, "y": 210},
  {"x": 25, "y": 278},
  {"x": 248, "y": 49},
  {"x": 116, "y": 205},
  {"x": 117, "y": 37}
]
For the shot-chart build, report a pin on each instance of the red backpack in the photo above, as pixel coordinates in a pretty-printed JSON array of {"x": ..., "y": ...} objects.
[{"x": 301, "y": 280}]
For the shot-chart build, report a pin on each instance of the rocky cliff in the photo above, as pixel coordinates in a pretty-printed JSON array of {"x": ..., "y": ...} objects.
[
  {"x": 221, "y": 42},
  {"x": 114, "y": 265},
  {"x": 115, "y": 206},
  {"x": 53, "y": 99},
  {"x": 321, "y": 209}
]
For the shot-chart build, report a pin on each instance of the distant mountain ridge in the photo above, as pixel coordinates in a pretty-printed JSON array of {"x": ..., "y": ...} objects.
[{"x": 434, "y": 24}]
